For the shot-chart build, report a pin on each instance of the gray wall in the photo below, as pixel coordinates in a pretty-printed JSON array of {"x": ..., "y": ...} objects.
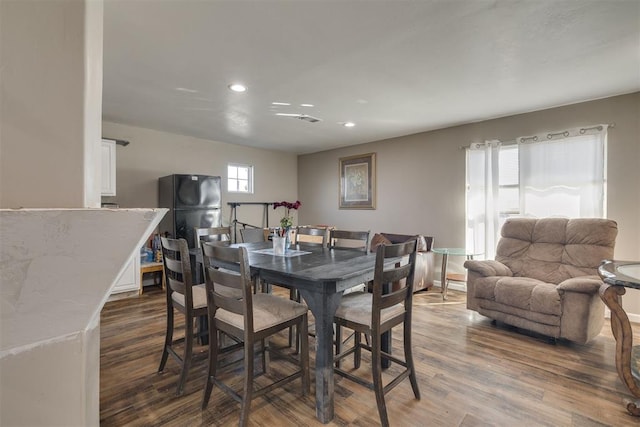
[
  {"x": 421, "y": 177},
  {"x": 152, "y": 154}
]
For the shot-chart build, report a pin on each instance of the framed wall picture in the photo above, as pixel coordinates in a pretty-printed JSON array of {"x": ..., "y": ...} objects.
[{"x": 358, "y": 182}]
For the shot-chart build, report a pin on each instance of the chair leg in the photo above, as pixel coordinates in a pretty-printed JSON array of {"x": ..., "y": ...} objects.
[
  {"x": 186, "y": 359},
  {"x": 338, "y": 339},
  {"x": 167, "y": 339},
  {"x": 357, "y": 355},
  {"x": 265, "y": 355},
  {"x": 293, "y": 296},
  {"x": 303, "y": 337},
  {"x": 408, "y": 357},
  {"x": 247, "y": 392},
  {"x": 376, "y": 361},
  {"x": 213, "y": 363}
]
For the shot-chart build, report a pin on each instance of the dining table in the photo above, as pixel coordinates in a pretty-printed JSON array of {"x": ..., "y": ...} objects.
[{"x": 321, "y": 275}]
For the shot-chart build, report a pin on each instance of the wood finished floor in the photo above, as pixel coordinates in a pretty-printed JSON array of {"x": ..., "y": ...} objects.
[{"x": 470, "y": 373}]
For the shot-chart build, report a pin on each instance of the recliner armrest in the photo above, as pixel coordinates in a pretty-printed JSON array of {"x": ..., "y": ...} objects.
[
  {"x": 582, "y": 284},
  {"x": 488, "y": 268}
]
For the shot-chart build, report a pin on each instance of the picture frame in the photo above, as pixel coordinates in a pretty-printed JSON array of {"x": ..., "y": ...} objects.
[{"x": 358, "y": 182}]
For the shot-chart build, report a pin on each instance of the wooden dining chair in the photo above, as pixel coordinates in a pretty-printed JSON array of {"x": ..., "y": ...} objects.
[
  {"x": 252, "y": 235},
  {"x": 182, "y": 296},
  {"x": 376, "y": 313},
  {"x": 356, "y": 241},
  {"x": 250, "y": 320},
  {"x": 209, "y": 234},
  {"x": 305, "y": 236}
]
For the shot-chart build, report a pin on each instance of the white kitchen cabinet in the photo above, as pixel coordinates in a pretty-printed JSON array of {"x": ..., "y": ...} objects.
[
  {"x": 108, "y": 183},
  {"x": 129, "y": 280}
]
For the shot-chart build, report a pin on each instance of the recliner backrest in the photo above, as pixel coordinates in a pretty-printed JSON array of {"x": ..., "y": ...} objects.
[{"x": 556, "y": 249}]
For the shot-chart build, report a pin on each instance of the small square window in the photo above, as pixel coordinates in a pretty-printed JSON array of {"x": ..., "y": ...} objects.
[{"x": 239, "y": 178}]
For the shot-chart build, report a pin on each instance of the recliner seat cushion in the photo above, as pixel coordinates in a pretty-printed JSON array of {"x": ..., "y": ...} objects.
[{"x": 521, "y": 292}]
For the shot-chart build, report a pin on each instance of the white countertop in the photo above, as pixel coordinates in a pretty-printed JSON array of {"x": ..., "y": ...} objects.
[{"x": 57, "y": 268}]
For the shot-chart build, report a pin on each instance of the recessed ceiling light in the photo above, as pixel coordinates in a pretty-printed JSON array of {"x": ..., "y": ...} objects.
[
  {"x": 348, "y": 124},
  {"x": 289, "y": 114},
  {"x": 237, "y": 87},
  {"x": 306, "y": 105},
  {"x": 280, "y": 103}
]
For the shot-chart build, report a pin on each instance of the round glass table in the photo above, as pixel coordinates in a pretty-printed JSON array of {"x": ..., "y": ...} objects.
[
  {"x": 617, "y": 276},
  {"x": 456, "y": 277}
]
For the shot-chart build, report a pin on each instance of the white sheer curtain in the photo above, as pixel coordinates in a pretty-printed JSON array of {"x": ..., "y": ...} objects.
[
  {"x": 482, "y": 197},
  {"x": 563, "y": 174},
  {"x": 551, "y": 174}
]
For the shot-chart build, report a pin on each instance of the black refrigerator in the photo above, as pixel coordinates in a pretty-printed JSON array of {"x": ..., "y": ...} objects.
[{"x": 193, "y": 201}]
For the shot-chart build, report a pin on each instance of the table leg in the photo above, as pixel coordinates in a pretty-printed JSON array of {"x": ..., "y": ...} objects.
[
  {"x": 324, "y": 309},
  {"x": 621, "y": 329},
  {"x": 443, "y": 276}
]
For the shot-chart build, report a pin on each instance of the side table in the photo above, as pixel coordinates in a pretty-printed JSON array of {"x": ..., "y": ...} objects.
[
  {"x": 617, "y": 276},
  {"x": 444, "y": 277},
  {"x": 151, "y": 267}
]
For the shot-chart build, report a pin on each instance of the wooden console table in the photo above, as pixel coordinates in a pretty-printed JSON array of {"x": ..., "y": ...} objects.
[
  {"x": 618, "y": 276},
  {"x": 151, "y": 267}
]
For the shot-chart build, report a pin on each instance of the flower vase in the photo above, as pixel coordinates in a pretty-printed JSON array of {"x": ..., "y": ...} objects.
[{"x": 287, "y": 241}]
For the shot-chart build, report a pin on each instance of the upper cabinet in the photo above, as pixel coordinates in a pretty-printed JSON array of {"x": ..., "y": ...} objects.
[{"x": 108, "y": 167}]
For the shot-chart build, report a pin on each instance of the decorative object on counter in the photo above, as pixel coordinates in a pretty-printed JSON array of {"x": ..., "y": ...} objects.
[{"x": 286, "y": 222}]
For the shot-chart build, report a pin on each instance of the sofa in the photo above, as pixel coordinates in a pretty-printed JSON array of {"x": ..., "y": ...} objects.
[
  {"x": 544, "y": 276},
  {"x": 423, "y": 276}
]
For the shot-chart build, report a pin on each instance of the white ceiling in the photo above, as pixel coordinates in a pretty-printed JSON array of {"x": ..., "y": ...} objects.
[{"x": 393, "y": 67}]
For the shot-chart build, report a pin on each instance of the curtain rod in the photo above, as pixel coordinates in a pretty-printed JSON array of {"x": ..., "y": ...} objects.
[{"x": 550, "y": 135}]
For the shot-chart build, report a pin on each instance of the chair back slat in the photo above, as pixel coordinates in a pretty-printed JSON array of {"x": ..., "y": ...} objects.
[
  {"x": 225, "y": 279},
  {"x": 346, "y": 239},
  {"x": 311, "y": 236},
  {"x": 175, "y": 285},
  {"x": 211, "y": 234},
  {"x": 212, "y": 257},
  {"x": 252, "y": 235}
]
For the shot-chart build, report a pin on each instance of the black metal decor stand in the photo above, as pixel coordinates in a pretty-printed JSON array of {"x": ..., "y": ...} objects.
[{"x": 234, "y": 216}]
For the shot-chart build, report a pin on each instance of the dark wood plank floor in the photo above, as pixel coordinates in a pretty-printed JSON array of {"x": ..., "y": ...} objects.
[{"x": 470, "y": 373}]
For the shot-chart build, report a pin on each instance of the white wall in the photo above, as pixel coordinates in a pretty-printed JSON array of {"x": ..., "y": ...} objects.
[
  {"x": 152, "y": 154},
  {"x": 51, "y": 103},
  {"x": 421, "y": 177}
]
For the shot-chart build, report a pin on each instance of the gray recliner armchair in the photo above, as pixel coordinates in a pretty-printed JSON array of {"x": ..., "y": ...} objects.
[{"x": 544, "y": 277}]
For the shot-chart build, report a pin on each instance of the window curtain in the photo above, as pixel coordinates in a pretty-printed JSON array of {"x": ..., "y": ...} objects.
[
  {"x": 563, "y": 174},
  {"x": 552, "y": 174},
  {"x": 482, "y": 197}
]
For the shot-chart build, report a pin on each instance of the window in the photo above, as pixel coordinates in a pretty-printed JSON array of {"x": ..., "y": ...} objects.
[
  {"x": 554, "y": 174},
  {"x": 239, "y": 178}
]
